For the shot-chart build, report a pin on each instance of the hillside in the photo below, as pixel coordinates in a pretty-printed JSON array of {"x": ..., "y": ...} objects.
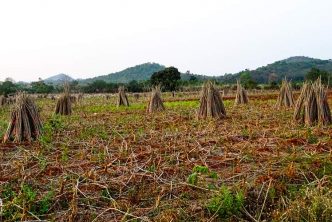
[
  {"x": 293, "y": 68},
  {"x": 59, "y": 79},
  {"x": 138, "y": 73}
]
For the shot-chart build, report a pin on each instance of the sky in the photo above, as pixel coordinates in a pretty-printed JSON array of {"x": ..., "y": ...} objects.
[{"x": 84, "y": 38}]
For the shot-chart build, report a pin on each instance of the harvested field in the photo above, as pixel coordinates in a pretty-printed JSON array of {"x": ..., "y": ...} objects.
[{"x": 109, "y": 163}]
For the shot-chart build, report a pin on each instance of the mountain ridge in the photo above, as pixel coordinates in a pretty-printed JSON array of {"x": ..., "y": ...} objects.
[
  {"x": 139, "y": 73},
  {"x": 58, "y": 79},
  {"x": 294, "y": 68}
]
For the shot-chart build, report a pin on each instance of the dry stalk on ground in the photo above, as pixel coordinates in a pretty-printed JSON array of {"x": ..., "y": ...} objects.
[{"x": 140, "y": 171}]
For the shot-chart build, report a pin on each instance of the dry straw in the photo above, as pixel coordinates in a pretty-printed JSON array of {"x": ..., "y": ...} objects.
[
  {"x": 241, "y": 95},
  {"x": 10, "y": 100},
  {"x": 122, "y": 98},
  {"x": 211, "y": 104},
  {"x": 25, "y": 123},
  {"x": 312, "y": 107},
  {"x": 73, "y": 99},
  {"x": 80, "y": 97},
  {"x": 285, "y": 98},
  {"x": 136, "y": 96},
  {"x": 155, "y": 103},
  {"x": 63, "y": 105},
  {"x": 3, "y": 100}
]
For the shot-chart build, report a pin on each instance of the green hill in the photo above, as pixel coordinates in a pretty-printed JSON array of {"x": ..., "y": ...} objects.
[
  {"x": 294, "y": 68},
  {"x": 138, "y": 73},
  {"x": 59, "y": 79}
]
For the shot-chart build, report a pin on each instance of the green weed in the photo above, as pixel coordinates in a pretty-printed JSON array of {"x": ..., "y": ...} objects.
[{"x": 226, "y": 203}]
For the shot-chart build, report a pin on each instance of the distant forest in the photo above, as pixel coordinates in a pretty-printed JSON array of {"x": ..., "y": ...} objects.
[{"x": 138, "y": 78}]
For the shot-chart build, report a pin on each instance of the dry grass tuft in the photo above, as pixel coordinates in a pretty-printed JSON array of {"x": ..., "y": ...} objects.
[
  {"x": 155, "y": 103},
  {"x": 312, "y": 106},
  {"x": 241, "y": 95},
  {"x": 211, "y": 104},
  {"x": 25, "y": 123},
  {"x": 285, "y": 98},
  {"x": 122, "y": 99}
]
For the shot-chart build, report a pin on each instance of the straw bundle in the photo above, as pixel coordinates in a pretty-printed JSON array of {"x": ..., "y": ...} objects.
[
  {"x": 3, "y": 100},
  {"x": 312, "y": 107},
  {"x": 241, "y": 95},
  {"x": 80, "y": 97},
  {"x": 10, "y": 100},
  {"x": 285, "y": 98},
  {"x": 155, "y": 103},
  {"x": 63, "y": 105},
  {"x": 73, "y": 99},
  {"x": 211, "y": 104},
  {"x": 25, "y": 124},
  {"x": 122, "y": 99},
  {"x": 136, "y": 96}
]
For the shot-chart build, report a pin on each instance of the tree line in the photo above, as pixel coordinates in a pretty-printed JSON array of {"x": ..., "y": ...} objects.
[{"x": 169, "y": 79}]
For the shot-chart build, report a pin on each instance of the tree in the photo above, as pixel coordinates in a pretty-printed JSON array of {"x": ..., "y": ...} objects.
[
  {"x": 74, "y": 85},
  {"x": 134, "y": 86},
  {"x": 193, "y": 78},
  {"x": 247, "y": 81},
  {"x": 96, "y": 87},
  {"x": 41, "y": 87},
  {"x": 167, "y": 78},
  {"x": 99, "y": 86},
  {"x": 7, "y": 87},
  {"x": 315, "y": 73},
  {"x": 272, "y": 79},
  {"x": 9, "y": 79}
]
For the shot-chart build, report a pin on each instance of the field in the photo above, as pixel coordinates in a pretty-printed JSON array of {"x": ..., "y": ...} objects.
[{"x": 105, "y": 163}]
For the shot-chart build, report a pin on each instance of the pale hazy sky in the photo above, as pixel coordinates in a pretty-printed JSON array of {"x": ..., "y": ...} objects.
[{"x": 40, "y": 38}]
